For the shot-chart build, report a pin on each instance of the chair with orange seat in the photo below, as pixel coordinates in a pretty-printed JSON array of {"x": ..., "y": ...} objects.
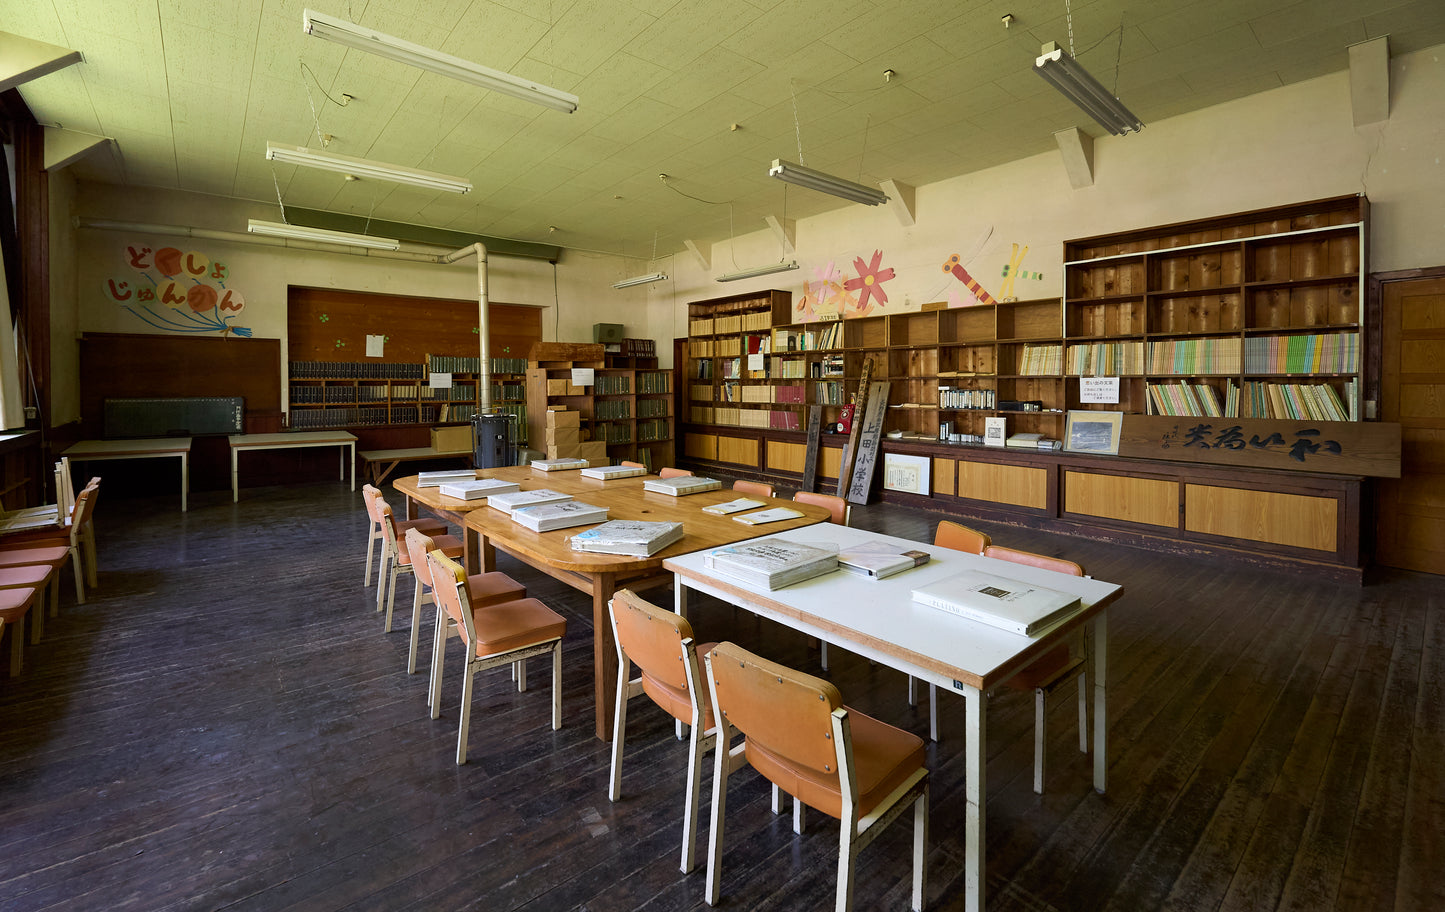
[
  {"x": 492, "y": 636},
  {"x": 373, "y": 499},
  {"x": 755, "y": 488},
  {"x": 660, "y": 643},
  {"x": 35, "y": 576},
  {"x": 482, "y": 588},
  {"x": 632, "y": 465},
  {"x": 396, "y": 560},
  {"x": 73, "y": 544},
  {"x": 1054, "y": 669},
  {"x": 839, "y": 510},
  {"x": 670, "y": 472},
  {"x": 14, "y": 605},
  {"x": 799, "y": 736}
]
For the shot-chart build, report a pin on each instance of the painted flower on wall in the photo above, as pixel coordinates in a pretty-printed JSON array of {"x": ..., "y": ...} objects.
[
  {"x": 177, "y": 290},
  {"x": 869, "y": 282}
]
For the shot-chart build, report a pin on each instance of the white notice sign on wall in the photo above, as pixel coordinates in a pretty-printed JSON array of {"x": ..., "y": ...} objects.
[{"x": 1098, "y": 389}]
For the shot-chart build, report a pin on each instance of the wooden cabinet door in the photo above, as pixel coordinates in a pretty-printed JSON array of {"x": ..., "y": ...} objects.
[{"x": 1410, "y": 517}]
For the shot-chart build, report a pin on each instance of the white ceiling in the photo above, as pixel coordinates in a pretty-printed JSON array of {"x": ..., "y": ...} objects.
[{"x": 191, "y": 90}]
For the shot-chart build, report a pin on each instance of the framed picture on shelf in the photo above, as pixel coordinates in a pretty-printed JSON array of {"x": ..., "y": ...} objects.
[
  {"x": 1093, "y": 432},
  {"x": 906, "y": 473}
]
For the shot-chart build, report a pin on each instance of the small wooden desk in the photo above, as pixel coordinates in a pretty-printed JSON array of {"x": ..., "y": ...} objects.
[
  {"x": 599, "y": 575},
  {"x": 374, "y": 458},
  {"x": 878, "y": 619},
  {"x": 145, "y": 448},
  {"x": 343, "y": 439}
]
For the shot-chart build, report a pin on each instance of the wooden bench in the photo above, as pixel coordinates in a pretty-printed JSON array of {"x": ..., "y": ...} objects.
[{"x": 372, "y": 460}]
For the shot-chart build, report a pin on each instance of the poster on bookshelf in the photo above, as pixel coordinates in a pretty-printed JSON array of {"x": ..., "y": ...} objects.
[{"x": 1093, "y": 432}]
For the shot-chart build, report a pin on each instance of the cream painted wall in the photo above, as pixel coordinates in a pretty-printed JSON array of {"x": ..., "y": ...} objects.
[{"x": 1287, "y": 145}]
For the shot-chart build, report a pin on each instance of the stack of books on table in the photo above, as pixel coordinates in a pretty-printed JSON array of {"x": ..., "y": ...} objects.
[
  {"x": 879, "y": 560},
  {"x": 766, "y": 516},
  {"x": 733, "y": 506},
  {"x": 450, "y": 476},
  {"x": 628, "y": 536},
  {"x": 559, "y": 465},
  {"x": 478, "y": 488},
  {"x": 1008, "y": 604},
  {"x": 607, "y": 473},
  {"x": 772, "y": 563},
  {"x": 508, "y": 502},
  {"x": 681, "y": 485},
  {"x": 563, "y": 515}
]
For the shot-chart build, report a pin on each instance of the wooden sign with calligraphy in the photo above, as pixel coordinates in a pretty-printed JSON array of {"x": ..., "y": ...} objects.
[
  {"x": 850, "y": 450},
  {"x": 810, "y": 458},
  {"x": 862, "y": 482},
  {"x": 1334, "y": 447}
]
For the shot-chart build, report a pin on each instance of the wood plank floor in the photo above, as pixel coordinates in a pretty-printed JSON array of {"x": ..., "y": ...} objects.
[{"x": 224, "y": 726}]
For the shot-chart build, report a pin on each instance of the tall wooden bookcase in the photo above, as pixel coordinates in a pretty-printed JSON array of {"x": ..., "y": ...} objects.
[{"x": 628, "y": 408}]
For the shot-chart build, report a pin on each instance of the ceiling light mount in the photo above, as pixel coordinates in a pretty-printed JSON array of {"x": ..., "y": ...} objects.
[
  {"x": 330, "y": 28},
  {"x": 641, "y": 280},
  {"x": 758, "y": 271},
  {"x": 826, "y": 183},
  {"x": 320, "y": 235},
  {"x": 1066, "y": 74},
  {"x": 363, "y": 169}
]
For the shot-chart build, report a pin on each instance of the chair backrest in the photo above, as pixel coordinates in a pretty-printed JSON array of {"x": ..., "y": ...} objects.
[
  {"x": 960, "y": 538},
  {"x": 658, "y": 642},
  {"x": 449, "y": 590},
  {"x": 839, "y": 510},
  {"x": 417, "y": 547},
  {"x": 781, "y": 711},
  {"x": 1043, "y": 562},
  {"x": 632, "y": 465},
  {"x": 84, "y": 509},
  {"x": 388, "y": 528},
  {"x": 670, "y": 472},
  {"x": 373, "y": 499},
  {"x": 754, "y": 487}
]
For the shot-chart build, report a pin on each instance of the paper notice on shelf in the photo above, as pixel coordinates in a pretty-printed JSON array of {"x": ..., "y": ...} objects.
[
  {"x": 439, "y": 381},
  {"x": 582, "y": 376},
  {"x": 755, "y": 362},
  {"x": 375, "y": 345},
  {"x": 1098, "y": 389}
]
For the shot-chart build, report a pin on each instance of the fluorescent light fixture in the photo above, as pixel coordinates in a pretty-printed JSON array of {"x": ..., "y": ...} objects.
[
  {"x": 826, "y": 183},
  {"x": 758, "y": 271},
  {"x": 323, "y": 235},
  {"x": 1069, "y": 76},
  {"x": 320, "y": 25},
  {"x": 641, "y": 280},
  {"x": 365, "y": 169}
]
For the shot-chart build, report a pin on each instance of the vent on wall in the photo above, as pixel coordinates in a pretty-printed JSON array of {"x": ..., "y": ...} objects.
[{"x": 607, "y": 333}]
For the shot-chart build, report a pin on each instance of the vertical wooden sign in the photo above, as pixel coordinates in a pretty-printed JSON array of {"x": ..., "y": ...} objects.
[
  {"x": 810, "y": 459},
  {"x": 850, "y": 451},
  {"x": 868, "y": 441}
]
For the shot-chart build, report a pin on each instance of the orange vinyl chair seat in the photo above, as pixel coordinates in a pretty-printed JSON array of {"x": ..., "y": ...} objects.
[
  {"x": 14, "y": 605},
  {"x": 508, "y": 626},
  {"x": 756, "y": 488},
  {"x": 839, "y": 510},
  {"x": 482, "y": 588},
  {"x": 670, "y": 472}
]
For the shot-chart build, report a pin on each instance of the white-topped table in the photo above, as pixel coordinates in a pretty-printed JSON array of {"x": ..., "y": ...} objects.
[
  {"x": 288, "y": 440},
  {"x": 879, "y": 620},
  {"x": 142, "y": 448}
]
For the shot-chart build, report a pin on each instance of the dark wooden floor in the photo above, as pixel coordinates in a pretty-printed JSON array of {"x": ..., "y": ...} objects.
[{"x": 224, "y": 726}]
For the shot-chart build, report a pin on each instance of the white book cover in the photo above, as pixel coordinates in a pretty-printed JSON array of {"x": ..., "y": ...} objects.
[
  {"x": 733, "y": 506},
  {"x": 773, "y": 562},
  {"x": 564, "y": 515},
  {"x": 436, "y": 479},
  {"x": 1005, "y": 603},
  {"x": 559, "y": 465},
  {"x": 628, "y": 536},
  {"x": 681, "y": 485},
  {"x": 880, "y": 560},
  {"x": 479, "y": 488},
  {"x": 508, "y": 502},
  {"x": 609, "y": 472},
  {"x": 761, "y": 517}
]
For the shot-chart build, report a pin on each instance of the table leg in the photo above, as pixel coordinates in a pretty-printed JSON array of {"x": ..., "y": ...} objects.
[
  {"x": 472, "y": 556},
  {"x": 975, "y": 794},
  {"x": 185, "y": 479},
  {"x": 1099, "y": 645},
  {"x": 679, "y": 597},
  {"x": 352, "y": 464},
  {"x": 604, "y": 654},
  {"x": 235, "y": 482}
]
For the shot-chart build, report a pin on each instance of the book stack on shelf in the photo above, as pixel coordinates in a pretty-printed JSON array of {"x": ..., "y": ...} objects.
[
  {"x": 682, "y": 485},
  {"x": 630, "y": 537},
  {"x": 772, "y": 563},
  {"x": 509, "y": 502},
  {"x": 560, "y": 515},
  {"x": 476, "y": 490},
  {"x": 1007, "y": 604}
]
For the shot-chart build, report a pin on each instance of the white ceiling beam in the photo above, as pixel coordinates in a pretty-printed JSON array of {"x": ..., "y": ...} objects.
[
  {"x": 900, "y": 200},
  {"x": 24, "y": 59},
  {"x": 1370, "y": 80},
  {"x": 65, "y": 146},
  {"x": 1077, "y": 149},
  {"x": 786, "y": 231},
  {"x": 702, "y": 261}
]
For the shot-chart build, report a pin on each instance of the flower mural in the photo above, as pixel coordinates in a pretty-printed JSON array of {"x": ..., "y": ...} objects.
[{"x": 869, "y": 282}]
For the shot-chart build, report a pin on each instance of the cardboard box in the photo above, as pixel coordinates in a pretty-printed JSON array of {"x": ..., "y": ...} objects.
[
  {"x": 562, "y": 451},
  {"x": 558, "y": 387},
  {"x": 564, "y": 419},
  {"x": 452, "y": 439},
  {"x": 562, "y": 436},
  {"x": 593, "y": 451}
]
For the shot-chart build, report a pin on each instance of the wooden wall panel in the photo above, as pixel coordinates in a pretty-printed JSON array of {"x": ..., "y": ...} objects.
[
  {"x": 832, "y": 463},
  {"x": 944, "y": 476},
  {"x": 786, "y": 457},
  {"x": 1297, "y": 520},
  {"x": 737, "y": 450},
  {"x": 1022, "y": 486},
  {"x": 1143, "y": 500},
  {"x": 414, "y": 327},
  {"x": 700, "y": 446}
]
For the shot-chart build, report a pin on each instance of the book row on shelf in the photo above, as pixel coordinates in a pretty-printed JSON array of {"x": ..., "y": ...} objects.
[
  {"x": 654, "y": 382},
  {"x": 652, "y": 408},
  {"x": 465, "y": 391},
  {"x": 1258, "y": 399},
  {"x": 804, "y": 340},
  {"x": 735, "y": 323},
  {"x": 355, "y": 370},
  {"x": 638, "y": 348},
  {"x": 776, "y": 419},
  {"x": 612, "y": 409},
  {"x": 954, "y": 398},
  {"x": 611, "y": 385},
  {"x": 459, "y": 364},
  {"x": 733, "y": 391},
  {"x": 1041, "y": 360},
  {"x": 652, "y": 429}
]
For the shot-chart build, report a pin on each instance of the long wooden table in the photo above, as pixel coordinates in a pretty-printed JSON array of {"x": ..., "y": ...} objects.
[
  {"x": 141, "y": 448},
  {"x": 598, "y": 575},
  {"x": 878, "y": 619},
  {"x": 287, "y": 440}
]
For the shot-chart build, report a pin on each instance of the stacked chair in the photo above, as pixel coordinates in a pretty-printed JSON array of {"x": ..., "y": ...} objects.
[
  {"x": 374, "y": 501},
  {"x": 482, "y": 589}
]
